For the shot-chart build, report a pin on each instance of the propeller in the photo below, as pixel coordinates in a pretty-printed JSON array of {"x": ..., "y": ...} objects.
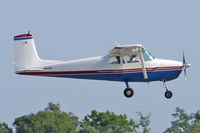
[{"x": 185, "y": 65}]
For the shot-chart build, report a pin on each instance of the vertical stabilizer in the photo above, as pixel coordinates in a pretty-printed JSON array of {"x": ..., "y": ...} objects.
[{"x": 25, "y": 54}]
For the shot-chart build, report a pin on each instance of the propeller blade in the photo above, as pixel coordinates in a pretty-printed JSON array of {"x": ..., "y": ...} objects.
[
  {"x": 185, "y": 66},
  {"x": 185, "y": 74},
  {"x": 183, "y": 58}
]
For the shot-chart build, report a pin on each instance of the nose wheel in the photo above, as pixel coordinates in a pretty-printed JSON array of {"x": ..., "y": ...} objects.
[
  {"x": 168, "y": 94},
  {"x": 128, "y": 92}
]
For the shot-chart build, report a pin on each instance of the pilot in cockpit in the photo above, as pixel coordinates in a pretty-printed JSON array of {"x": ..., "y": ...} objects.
[{"x": 133, "y": 59}]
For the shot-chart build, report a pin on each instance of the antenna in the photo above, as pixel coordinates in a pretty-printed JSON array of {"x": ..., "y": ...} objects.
[{"x": 117, "y": 43}]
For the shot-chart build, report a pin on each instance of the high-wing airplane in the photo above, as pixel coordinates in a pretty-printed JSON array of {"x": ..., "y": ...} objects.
[{"x": 127, "y": 63}]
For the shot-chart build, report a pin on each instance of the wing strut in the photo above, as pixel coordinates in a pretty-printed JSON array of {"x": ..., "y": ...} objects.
[{"x": 142, "y": 63}]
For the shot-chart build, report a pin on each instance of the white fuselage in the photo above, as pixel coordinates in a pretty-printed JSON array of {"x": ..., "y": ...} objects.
[{"x": 99, "y": 68}]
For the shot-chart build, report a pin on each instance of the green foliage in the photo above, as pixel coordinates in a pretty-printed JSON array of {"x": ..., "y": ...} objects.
[
  {"x": 195, "y": 127},
  {"x": 184, "y": 123},
  {"x": 51, "y": 120},
  {"x": 181, "y": 122},
  {"x": 53, "y": 107},
  {"x": 107, "y": 122},
  {"x": 144, "y": 122},
  {"x": 4, "y": 128}
]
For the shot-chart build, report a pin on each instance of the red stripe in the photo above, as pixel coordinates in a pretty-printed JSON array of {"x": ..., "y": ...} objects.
[
  {"x": 23, "y": 35},
  {"x": 99, "y": 71}
]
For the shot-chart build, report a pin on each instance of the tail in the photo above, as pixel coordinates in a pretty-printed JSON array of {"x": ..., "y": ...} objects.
[{"x": 25, "y": 53}]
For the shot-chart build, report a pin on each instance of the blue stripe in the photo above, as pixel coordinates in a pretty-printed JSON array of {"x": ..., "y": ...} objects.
[
  {"x": 25, "y": 38},
  {"x": 131, "y": 77}
]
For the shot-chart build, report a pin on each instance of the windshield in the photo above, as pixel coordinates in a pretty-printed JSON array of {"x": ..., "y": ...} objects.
[{"x": 147, "y": 56}]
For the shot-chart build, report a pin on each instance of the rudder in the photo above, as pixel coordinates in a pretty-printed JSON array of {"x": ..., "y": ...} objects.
[{"x": 25, "y": 53}]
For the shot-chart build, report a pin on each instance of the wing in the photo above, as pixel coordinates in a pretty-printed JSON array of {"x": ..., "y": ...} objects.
[{"x": 125, "y": 50}]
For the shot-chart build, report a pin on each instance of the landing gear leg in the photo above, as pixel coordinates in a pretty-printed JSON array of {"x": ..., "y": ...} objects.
[
  {"x": 168, "y": 94},
  {"x": 128, "y": 92}
]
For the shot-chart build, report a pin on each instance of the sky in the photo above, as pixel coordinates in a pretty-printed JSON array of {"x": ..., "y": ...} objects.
[{"x": 73, "y": 29}]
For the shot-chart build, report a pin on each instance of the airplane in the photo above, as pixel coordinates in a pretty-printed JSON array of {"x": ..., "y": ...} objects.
[{"x": 125, "y": 63}]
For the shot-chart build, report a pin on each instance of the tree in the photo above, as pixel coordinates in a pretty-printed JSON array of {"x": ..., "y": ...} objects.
[
  {"x": 4, "y": 128},
  {"x": 51, "y": 120},
  {"x": 181, "y": 123},
  {"x": 107, "y": 122},
  {"x": 184, "y": 122},
  {"x": 144, "y": 122},
  {"x": 195, "y": 127},
  {"x": 53, "y": 107}
]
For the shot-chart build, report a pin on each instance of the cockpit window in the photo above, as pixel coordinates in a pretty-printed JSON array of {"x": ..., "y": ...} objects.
[
  {"x": 131, "y": 59},
  {"x": 114, "y": 60}
]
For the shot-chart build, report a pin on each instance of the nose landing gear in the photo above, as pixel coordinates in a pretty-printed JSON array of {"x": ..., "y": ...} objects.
[{"x": 168, "y": 94}]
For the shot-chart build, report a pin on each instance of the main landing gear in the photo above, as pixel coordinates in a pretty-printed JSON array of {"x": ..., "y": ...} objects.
[
  {"x": 168, "y": 94},
  {"x": 128, "y": 92}
]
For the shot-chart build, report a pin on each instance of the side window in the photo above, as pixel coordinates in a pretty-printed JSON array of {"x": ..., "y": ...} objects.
[
  {"x": 114, "y": 60},
  {"x": 135, "y": 58},
  {"x": 126, "y": 59},
  {"x": 131, "y": 59}
]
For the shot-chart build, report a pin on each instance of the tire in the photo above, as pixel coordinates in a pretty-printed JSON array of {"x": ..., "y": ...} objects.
[
  {"x": 128, "y": 92},
  {"x": 168, "y": 94}
]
